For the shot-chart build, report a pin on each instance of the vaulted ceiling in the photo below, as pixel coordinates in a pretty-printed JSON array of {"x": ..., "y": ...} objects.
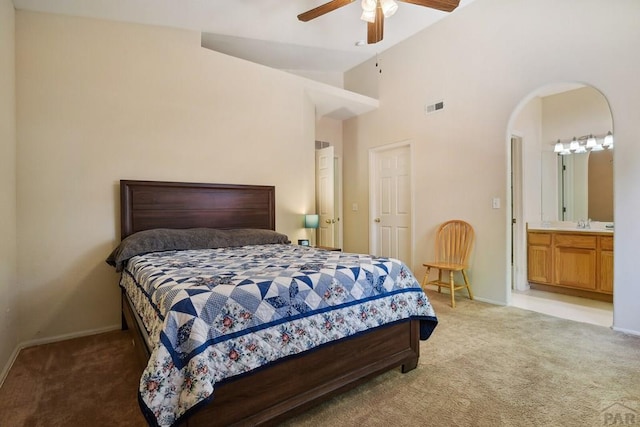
[{"x": 263, "y": 31}]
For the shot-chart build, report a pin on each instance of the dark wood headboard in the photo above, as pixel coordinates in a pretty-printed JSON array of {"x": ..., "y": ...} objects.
[{"x": 156, "y": 204}]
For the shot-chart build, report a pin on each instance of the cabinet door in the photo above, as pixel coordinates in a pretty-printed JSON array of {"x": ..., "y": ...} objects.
[
  {"x": 606, "y": 271},
  {"x": 539, "y": 264},
  {"x": 575, "y": 267}
]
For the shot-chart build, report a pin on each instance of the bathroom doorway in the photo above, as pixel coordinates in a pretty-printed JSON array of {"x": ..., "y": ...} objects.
[{"x": 536, "y": 186}]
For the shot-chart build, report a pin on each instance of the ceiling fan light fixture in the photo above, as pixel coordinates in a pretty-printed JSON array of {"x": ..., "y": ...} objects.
[
  {"x": 389, "y": 7},
  {"x": 369, "y": 16},
  {"x": 369, "y": 5}
]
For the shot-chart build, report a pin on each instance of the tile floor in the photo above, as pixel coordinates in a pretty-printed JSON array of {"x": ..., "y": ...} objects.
[{"x": 564, "y": 306}]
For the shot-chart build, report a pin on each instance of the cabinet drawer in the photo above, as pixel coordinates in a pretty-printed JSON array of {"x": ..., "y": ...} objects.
[
  {"x": 606, "y": 243},
  {"x": 539, "y": 238},
  {"x": 571, "y": 240}
]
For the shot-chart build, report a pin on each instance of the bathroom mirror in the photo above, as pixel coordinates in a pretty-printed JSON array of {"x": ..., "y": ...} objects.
[{"x": 577, "y": 185}]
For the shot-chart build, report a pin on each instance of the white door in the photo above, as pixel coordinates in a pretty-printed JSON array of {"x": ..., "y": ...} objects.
[
  {"x": 391, "y": 203},
  {"x": 325, "y": 197},
  {"x": 518, "y": 229}
]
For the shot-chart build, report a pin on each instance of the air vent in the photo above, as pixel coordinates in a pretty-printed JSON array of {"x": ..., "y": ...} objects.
[
  {"x": 322, "y": 144},
  {"x": 432, "y": 108}
]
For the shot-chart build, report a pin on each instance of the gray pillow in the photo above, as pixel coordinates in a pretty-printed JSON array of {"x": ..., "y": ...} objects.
[{"x": 166, "y": 239}]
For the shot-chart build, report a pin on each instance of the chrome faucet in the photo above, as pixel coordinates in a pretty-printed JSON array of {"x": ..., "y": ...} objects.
[{"x": 584, "y": 224}]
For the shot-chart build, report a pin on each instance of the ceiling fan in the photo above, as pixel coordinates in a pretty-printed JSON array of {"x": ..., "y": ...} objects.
[{"x": 374, "y": 12}]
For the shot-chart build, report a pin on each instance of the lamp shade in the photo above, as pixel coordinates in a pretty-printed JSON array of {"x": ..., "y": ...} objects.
[
  {"x": 369, "y": 16},
  {"x": 369, "y": 5},
  {"x": 311, "y": 221},
  {"x": 559, "y": 147},
  {"x": 389, "y": 7}
]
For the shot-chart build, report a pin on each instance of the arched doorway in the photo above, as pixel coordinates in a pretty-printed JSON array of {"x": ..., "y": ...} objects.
[{"x": 551, "y": 189}]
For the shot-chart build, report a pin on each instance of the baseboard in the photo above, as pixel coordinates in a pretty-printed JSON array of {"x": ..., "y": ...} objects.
[
  {"x": 489, "y": 301},
  {"x": 9, "y": 364},
  {"x": 49, "y": 340},
  {"x": 475, "y": 297},
  {"x": 72, "y": 335},
  {"x": 626, "y": 331}
]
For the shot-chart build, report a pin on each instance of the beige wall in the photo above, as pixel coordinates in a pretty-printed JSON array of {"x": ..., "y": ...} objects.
[
  {"x": 330, "y": 130},
  {"x": 483, "y": 61},
  {"x": 101, "y": 101},
  {"x": 8, "y": 260}
]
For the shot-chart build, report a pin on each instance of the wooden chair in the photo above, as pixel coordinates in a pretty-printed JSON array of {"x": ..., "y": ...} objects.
[{"x": 454, "y": 241}]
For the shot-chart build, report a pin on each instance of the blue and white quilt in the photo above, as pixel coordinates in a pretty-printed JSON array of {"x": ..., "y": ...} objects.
[{"x": 218, "y": 313}]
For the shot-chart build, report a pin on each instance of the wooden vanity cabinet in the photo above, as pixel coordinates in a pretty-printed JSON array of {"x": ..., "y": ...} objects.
[
  {"x": 577, "y": 263},
  {"x": 605, "y": 266},
  {"x": 539, "y": 258}
]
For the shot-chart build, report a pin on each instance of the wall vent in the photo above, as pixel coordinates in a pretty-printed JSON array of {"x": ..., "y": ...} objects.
[
  {"x": 322, "y": 144},
  {"x": 432, "y": 108}
]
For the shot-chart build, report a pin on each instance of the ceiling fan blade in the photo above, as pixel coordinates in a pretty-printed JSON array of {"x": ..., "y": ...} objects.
[
  {"x": 322, "y": 9},
  {"x": 444, "y": 5},
  {"x": 375, "y": 29}
]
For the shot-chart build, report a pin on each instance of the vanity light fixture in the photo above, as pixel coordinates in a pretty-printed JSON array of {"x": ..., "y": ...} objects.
[
  {"x": 559, "y": 147},
  {"x": 583, "y": 144},
  {"x": 574, "y": 145},
  {"x": 608, "y": 140}
]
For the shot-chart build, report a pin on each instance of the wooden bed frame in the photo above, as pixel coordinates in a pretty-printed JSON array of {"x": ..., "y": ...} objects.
[{"x": 285, "y": 388}]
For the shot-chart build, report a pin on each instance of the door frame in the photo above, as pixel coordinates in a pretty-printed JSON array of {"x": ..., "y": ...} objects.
[
  {"x": 337, "y": 168},
  {"x": 518, "y": 230},
  {"x": 330, "y": 179},
  {"x": 373, "y": 230}
]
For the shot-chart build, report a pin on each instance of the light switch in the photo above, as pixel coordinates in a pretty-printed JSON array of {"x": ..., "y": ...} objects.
[
  {"x": 495, "y": 203},
  {"x": 354, "y": 207}
]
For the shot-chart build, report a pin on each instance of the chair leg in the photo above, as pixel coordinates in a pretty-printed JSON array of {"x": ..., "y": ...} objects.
[
  {"x": 468, "y": 285},
  {"x": 452, "y": 287},
  {"x": 425, "y": 279},
  {"x": 439, "y": 281}
]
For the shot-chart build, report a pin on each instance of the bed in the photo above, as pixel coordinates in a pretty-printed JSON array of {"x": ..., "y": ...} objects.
[{"x": 275, "y": 387}]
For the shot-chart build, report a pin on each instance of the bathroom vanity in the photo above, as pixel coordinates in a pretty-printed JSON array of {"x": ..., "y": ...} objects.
[{"x": 566, "y": 259}]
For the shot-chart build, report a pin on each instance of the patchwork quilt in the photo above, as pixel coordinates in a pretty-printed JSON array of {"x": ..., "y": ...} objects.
[{"x": 218, "y": 313}]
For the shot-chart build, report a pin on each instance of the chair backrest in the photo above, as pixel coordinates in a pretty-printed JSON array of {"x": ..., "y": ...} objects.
[{"x": 454, "y": 241}]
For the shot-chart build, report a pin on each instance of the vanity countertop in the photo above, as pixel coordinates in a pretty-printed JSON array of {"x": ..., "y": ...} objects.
[{"x": 567, "y": 226}]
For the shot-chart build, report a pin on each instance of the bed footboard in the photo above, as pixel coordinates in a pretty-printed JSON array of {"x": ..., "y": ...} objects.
[{"x": 270, "y": 395}]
